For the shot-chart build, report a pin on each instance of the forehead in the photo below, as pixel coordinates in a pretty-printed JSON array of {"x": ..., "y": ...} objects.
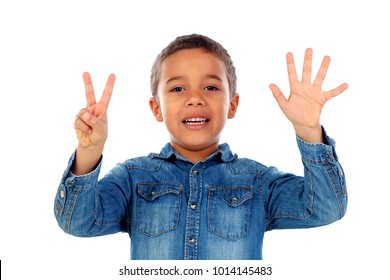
[{"x": 192, "y": 62}]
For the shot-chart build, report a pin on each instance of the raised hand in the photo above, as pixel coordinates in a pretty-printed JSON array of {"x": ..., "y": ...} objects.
[
  {"x": 91, "y": 122},
  {"x": 91, "y": 127},
  {"x": 304, "y": 105}
]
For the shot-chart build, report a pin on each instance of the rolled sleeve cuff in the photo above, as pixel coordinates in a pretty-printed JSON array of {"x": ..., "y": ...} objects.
[
  {"x": 86, "y": 180},
  {"x": 319, "y": 151},
  {"x": 71, "y": 183}
]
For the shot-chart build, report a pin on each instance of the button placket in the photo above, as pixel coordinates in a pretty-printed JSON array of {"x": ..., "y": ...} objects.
[{"x": 192, "y": 225}]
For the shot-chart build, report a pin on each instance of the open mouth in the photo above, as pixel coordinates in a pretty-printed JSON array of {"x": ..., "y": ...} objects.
[{"x": 196, "y": 121}]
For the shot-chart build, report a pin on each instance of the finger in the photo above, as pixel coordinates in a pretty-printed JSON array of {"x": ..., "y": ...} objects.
[
  {"x": 82, "y": 120},
  {"x": 106, "y": 97},
  {"x": 278, "y": 95},
  {"x": 90, "y": 119},
  {"x": 89, "y": 92},
  {"x": 319, "y": 80},
  {"x": 336, "y": 91},
  {"x": 307, "y": 66},
  {"x": 292, "y": 72},
  {"x": 79, "y": 124}
]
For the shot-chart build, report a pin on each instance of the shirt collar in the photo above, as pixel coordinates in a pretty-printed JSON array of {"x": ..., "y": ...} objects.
[{"x": 224, "y": 153}]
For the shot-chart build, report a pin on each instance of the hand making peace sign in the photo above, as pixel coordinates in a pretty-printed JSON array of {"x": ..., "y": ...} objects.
[{"x": 91, "y": 122}]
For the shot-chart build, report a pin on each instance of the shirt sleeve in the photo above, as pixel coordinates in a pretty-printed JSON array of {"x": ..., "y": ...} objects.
[
  {"x": 85, "y": 206},
  {"x": 318, "y": 198}
]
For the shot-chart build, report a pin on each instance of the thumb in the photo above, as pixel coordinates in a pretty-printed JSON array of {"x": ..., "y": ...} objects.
[
  {"x": 278, "y": 95},
  {"x": 92, "y": 121}
]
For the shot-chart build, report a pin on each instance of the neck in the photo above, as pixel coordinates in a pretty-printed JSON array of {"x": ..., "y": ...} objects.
[{"x": 194, "y": 154}]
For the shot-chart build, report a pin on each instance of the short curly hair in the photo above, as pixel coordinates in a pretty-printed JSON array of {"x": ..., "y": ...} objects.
[{"x": 194, "y": 41}]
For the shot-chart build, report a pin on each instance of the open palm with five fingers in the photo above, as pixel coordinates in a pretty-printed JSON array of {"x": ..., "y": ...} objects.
[{"x": 304, "y": 105}]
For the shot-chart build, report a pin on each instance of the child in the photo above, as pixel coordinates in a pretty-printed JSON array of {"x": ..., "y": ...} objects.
[{"x": 196, "y": 199}]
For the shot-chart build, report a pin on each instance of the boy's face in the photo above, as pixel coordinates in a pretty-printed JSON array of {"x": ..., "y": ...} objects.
[{"x": 194, "y": 102}]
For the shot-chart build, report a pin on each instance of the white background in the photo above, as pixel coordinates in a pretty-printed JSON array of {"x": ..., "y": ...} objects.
[{"x": 46, "y": 45}]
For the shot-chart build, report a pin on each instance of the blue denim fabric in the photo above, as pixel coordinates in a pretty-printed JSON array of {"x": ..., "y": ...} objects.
[{"x": 216, "y": 209}]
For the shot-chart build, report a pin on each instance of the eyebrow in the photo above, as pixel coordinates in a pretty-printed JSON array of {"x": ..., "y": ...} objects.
[{"x": 208, "y": 76}]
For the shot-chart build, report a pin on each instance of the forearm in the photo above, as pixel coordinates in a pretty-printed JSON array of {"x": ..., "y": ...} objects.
[
  {"x": 85, "y": 206},
  {"x": 325, "y": 178},
  {"x": 318, "y": 198}
]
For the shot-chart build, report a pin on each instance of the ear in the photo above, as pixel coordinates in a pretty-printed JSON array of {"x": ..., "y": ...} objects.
[
  {"x": 156, "y": 110},
  {"x": 233, "y": 106}
]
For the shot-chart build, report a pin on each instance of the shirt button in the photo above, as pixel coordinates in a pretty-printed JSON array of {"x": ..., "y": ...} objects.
[
  {"x": 62, "y": 193},
  {"x": 192, "y": 240},
  {"x": 193, "y": 206},
  {"x": 195, "y": 172}
]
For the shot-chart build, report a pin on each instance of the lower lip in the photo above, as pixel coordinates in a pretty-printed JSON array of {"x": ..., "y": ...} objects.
[{"x": 195, "y": 126}]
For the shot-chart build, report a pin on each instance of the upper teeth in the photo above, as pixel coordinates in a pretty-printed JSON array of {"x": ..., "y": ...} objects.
[{"x": 195, "y": 120}]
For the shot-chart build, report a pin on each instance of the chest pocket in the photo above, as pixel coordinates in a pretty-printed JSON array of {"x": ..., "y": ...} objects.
[
  {"x": 229, "y": 211},
  {"x": 158, "y": 207}
]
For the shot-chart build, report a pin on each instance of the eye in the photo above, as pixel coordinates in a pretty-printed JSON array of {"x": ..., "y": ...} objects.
[
  {"x": 211, "y": 88},
  {"x": 177, "y": 89}
]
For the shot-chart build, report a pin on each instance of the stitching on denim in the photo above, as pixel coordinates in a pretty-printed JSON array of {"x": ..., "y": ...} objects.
[
  {"x": 246, "y": 228},
  {"x": 71, "y": 206},
  {"x": 130, "y": 164},
  {"x": 177, "y": 216},
  {"x": 336, "y": 192},
  {"x": 255, "y": 170},
  {"x": 309, "y": 204}
]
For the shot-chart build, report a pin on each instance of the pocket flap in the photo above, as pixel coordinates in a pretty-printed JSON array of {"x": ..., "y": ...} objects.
[
  {"x": 232, "y": 196},
  {"x": 152, "y": 191}
]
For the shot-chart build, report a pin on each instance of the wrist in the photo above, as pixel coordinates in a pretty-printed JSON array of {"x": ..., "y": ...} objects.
[
  {"x": 86, "y": 160},
  {"x": 90, "y": 149},
  {"x": 310, "y": 134}
]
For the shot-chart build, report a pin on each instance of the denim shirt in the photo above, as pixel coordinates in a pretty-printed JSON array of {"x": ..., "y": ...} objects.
[{"x": 219, "y": 208}]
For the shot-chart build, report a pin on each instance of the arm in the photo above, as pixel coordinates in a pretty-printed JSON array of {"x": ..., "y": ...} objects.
[
  {"x": 304, "y": 105},
  {"x": 84, "y": 206},
  {"x": 316, "y": 199},
  {"x": 320, "y": 197}
]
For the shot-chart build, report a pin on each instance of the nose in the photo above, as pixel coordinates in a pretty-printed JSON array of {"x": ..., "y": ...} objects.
[{"x": 195, "y": 99}]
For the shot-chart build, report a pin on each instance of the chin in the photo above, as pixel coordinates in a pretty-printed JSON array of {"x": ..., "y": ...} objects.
[{"x": 200, "y": 145}]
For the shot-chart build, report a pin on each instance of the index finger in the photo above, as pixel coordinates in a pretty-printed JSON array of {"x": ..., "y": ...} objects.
[
  {"x": 89, "y": 92},
  {"x": 106, "y": 97}
]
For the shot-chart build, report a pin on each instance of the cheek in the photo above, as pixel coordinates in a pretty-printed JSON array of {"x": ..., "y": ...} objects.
[
  {"x": 169, "y": 114},
  {"x": 225, "y": 109},
  {"x": 165, "y": 111}
]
